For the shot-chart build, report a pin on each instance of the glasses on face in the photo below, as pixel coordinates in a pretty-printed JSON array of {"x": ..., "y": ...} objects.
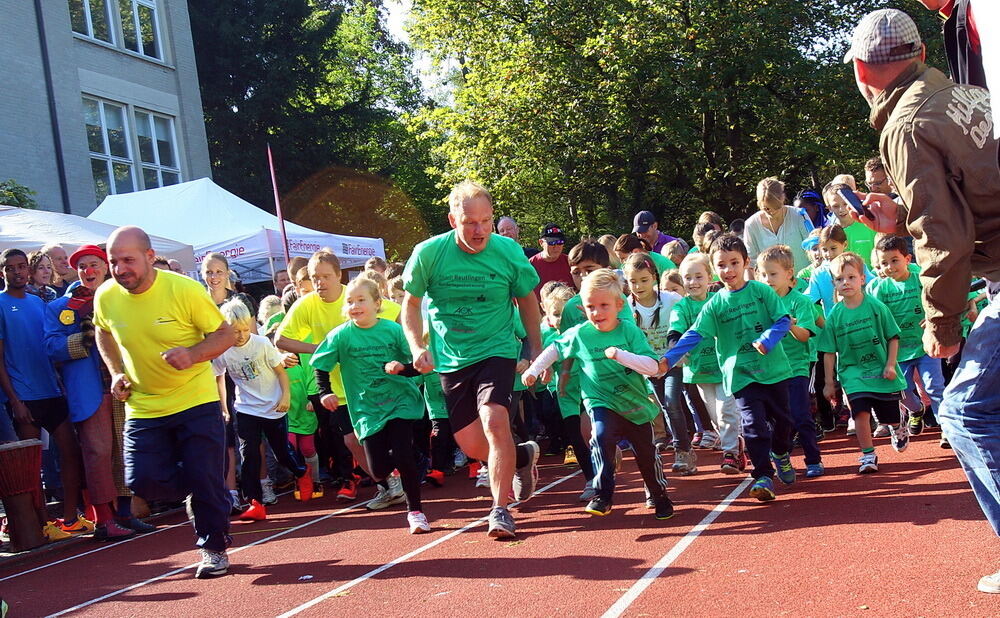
[{"x": 554, "y": 241}]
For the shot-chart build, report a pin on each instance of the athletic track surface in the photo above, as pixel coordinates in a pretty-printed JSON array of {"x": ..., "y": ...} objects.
[{"x": 908, "y": 541}]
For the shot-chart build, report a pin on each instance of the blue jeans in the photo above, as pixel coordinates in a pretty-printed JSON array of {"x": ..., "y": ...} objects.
[
  {"x": 802, "y": 420},
  {"x": 169, "y": 457},
  {"x": 609, "y": 428},
  {"x": 970, "y": 411},
  {"x": 767, "y": 425},
  {"x": 668, "y": 390},
  {"x": 930, "y": 374}
]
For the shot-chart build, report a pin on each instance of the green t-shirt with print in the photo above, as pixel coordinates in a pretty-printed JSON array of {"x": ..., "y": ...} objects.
[
  {"x": 800, "y": 354},
  {"x": 736, "y": 320},
  {"x": 300, "y": 420},
  {"x": 605, "y": 382},
  {"x": 569, "y": 404},
  {"x": 471, "y": 310},
  {"x": 860, "y": 339},
  {"x": 662, "y": 263},
  {"x": 549, "y": 336},
  {"x": 702, "y": 366},
  {"x": 903, "y": 299},
  {"x": 802, "y": 279},
  {"x": 373, "y": 396},
  {"x": 860, "y": 240},
  {"x": 433, "y": 396}
]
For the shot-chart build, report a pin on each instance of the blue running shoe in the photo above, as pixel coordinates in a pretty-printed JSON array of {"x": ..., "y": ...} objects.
[
  {"x": 814, "y": 470},
  {"x": 786, "y": 473},
  {"x": 762, "y": 489}
]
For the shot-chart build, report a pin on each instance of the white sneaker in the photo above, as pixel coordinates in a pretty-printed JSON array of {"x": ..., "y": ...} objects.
[
  {"x": 483, "y": 476},
  {"x": 851, "y": 428},
  {"x": 882, "y": 431},
  {"x": 212, "y": 564},
  {"x": 267, "y": 492},
  {"x": 710, "y": 439},
  {"x": 900, "y": 438},
  {"x": 395, "y": 486},
  {"x": 685, "y": 462},
  {"x": 384, "y": 498},
  {"x": 418, "y": 522},
  {"x": 869, "y": 463},
  {"x": 588, "y": 492},
  {"x": 990, "y": 584}
]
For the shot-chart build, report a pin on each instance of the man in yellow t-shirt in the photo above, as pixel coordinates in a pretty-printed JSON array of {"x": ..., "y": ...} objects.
[{"x": 157, "y": 332}]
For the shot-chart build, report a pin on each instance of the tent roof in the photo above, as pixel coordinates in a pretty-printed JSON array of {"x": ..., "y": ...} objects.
[
  {"x": 29, "y": 230},
  {"x": 198, "y": 212}
]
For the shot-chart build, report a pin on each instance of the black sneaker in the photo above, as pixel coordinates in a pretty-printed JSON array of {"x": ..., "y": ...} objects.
[
  {"x": 136, "y": 524},
  {"x": 916, "y": 423},
  {"x": 664, "y": 508},
  {"x": 820, "y": 433},
  {"x": 599, "y": 506}
]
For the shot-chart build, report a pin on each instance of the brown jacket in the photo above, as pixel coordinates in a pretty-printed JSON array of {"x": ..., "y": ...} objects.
[{"x": 937, "y": 146}]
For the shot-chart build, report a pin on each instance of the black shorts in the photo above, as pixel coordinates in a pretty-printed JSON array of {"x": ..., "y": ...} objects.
[
  {"x": 340, "y": 422},
  {"x": 491, "y": 380},
  {"x": 49, "y": 413},
  {"x": 885, "y": 406}
]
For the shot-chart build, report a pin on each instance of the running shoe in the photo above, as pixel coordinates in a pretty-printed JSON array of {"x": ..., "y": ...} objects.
[
  {"x": 598, "y": 506},
  {"x": 990, "y": 584},
  {"x": 664, "y": 446},
  {"x": 820, "y": 433},
  {"x": 664, "y": 507},
  {"x": 900, "y": 438},
  {"x": 460, "y": 458},
  {"x": 268, "y": 497},
  {"x": 916, "y": 423},
  {"x": 762, "y": 489},
  {"x": 82, "y": 525},
  {"x": 111, "y": 532},
  {"x": 569, "y": 456},
  {"x": 304, "y": 485},
  {"x": 387, "y": 496},
  {"x": 851, "y": 428},
  {"x": 213, "y": 564},
  {"x": 418, "y": 522},
  {"x": 685, "y": 463},
  {"x": 741, "y": 455},
  {"x": 348, "y": 491},
  {"x": 709, "y": 439},
  {"x": 786, "y": 472},
  {"x": 588, "y": 492},
  {"x": 869, "y": 463},
  {"x": 501, "y": 523},
  {"x": 730, "y": 463},
  {"x": 254, "y": 512},
  {"x": 136, "y": 524},
  {"x": 882, "y": 431},
  {"x": 474, "y": 469},
  {"x": 814, "y": 470},
  {"x": 317, "y": 491},
  {"x": 526, "y": 477},
  {"x": 696, "y": 440},
  {"x": 944, "y": 443},
  {"x": 53, "y": 532},
  {"x": 483, "y": 477},
  {"x": 435, "y": 478}
]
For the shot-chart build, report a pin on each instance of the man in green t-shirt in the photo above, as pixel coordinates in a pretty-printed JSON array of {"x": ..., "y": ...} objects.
[{"x": 475, "y": 281}]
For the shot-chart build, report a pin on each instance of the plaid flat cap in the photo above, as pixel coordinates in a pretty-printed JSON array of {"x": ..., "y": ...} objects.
[{"x": 882, "y": 36}]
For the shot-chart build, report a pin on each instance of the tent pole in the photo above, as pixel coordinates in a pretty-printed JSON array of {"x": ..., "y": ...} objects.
[{"x": 277, "y": 205}]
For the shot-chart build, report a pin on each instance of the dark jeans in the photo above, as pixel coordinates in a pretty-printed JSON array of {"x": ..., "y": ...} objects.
[
  {"x": 392, "y": 447},
  {"x": 275, "y": 431},
  {"x": 669, "y": 390},
  {"x": 802, "y": 420},
  {"x": 169, "y": 457},
  {"x": 609, "y": 429},
  {"x": 763, "y": 406},
  {"x": 574, "y": 438}
]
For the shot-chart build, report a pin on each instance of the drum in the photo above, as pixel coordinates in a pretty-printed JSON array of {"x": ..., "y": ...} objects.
[{"x": 20, "y": 491}]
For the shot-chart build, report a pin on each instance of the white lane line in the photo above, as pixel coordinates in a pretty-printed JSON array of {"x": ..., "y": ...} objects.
[
  {"x": 388, "y": 565},
  {"x": 649, "y": 576},
  {"x": 194, "y": 564}
]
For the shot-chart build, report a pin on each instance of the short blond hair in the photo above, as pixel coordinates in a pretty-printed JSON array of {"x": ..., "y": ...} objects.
[
  {"x": 846, "y": 179},
  {"x": 234, "y": 311},
  {"x": 555, "y": 295},
  {"x": 781, "y": 254},
  {"x": 770, "y": 191},
  {"x": 465, "y": 191},
  {"x": 845, "y": 259},
  {"x": 602, "y": 279},
  {"x": 696, "y": 259}
]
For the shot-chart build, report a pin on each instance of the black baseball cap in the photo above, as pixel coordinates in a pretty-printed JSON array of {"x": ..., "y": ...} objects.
[
  {"x": 642, "y": 221},
  {"x": 552, "y": 232}
]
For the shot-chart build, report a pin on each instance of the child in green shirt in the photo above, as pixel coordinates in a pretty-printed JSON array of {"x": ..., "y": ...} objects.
[
  {"x": 862, "y": 339},
  {"x": 747, "y": 321},
  {"x": 613, "y": 356}
]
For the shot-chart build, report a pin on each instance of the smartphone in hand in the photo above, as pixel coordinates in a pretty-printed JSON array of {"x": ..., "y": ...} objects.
[{"x": 855, "y": 203}]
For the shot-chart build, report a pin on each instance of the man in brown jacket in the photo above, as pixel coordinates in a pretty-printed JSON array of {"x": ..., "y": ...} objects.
[{"x": 938, "y": 147}]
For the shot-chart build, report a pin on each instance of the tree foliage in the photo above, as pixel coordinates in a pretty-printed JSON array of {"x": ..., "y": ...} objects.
[
  {"x": 13, "y": 193},
  {"x": 587, "y": 111}
]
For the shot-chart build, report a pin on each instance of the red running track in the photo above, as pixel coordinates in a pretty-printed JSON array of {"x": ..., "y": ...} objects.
[{"x": 909, "y": 540}]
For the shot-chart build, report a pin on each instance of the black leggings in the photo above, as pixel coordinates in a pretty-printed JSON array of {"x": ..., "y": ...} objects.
[
  {"x": 275, "y": 430},
  {"x": 392, "y": 447},
  {"x": 442, "y": 445},
  {"x": 581, "y": 448}
]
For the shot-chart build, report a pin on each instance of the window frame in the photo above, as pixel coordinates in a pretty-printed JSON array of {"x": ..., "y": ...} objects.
[
  {"x": 137, "y": 24},
  {"x": 158, "y": 166},
  {"x": 89, "y": 18}
]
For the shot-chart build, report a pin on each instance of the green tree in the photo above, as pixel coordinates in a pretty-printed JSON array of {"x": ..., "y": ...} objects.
[
  {"x": 586, "y": 111},
  {"x": 13, "y": 193}
]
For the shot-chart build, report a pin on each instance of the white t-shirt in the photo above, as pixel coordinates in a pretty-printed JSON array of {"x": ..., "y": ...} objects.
[
  {"x": 656, "y": 335},
  {"x": 251, "y": 367}
]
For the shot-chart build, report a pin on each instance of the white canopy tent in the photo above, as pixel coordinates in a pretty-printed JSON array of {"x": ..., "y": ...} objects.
[
  {"x": 29, "y": 230},
  {"x": 212, "y": 219}
]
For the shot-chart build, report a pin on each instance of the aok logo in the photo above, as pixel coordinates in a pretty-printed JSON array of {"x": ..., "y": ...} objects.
[
  {"x": 746, "y": 347},
  {"x": 621, "y": 388},
  {"x": 463, "y": 311},
  {"x": 871, "y": 357}
]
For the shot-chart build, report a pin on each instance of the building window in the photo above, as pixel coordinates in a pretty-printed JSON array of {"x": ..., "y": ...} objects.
[
  {"x": 115, "y": 158},
  {"x": 128, "y": 24}
]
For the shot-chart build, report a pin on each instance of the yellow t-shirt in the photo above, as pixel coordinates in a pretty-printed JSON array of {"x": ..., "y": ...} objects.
[
  {"x": 175, "y": 311},
  {"x": 311, "y": 318}
]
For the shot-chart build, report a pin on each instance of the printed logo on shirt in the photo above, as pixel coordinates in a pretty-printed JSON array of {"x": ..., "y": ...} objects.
[
  {"x": 164, "y": 320},
  {"x": 248, "y": 370},
  {"x": 621, "y": 388},
  {"x": 746, "y": 347},
  {"x": 868, "y": 358}
]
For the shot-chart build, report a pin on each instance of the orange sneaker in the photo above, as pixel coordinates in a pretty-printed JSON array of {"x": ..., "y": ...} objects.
[
  {"x": 255, "y": 512},
  {"x": 348, "y": 491},
  {"x": 317, "y": 491},
  {"x": 474, "y": 469},
  {"x": 435, "y": 477},
  {"x": 304, "y": 486},
  {"x": 82, "y": 525}
]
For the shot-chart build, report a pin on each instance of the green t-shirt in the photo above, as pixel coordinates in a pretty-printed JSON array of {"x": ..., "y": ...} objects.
[
  {"x": 860, "y": 338},
  {"x": 521, "y": 334},
  {"x": 802, "y": 279},
  {"x": 605, "y": 382},
  {"x": 471, "y": 310},
  {"x": 736, "y": 320},
  {"x": 433, "y": 396},
  {"x": 860, "y": 240},
  {"x": 903, "y": 300},
  {"x": 569, "y": 404},
  {"x": 702, "y": 366},
  {"x": 663, "y": 264},
  {"x": 573, "y": 313},
  {"x": 800, "y": 354},
  {"x": 549, "y": 336},
  {"x": 300, "y": 421},
  {"x": 373, "y": 396}
]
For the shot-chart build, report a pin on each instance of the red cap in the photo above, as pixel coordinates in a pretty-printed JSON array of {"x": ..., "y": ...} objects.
[{"x": 86, "y": 250}]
